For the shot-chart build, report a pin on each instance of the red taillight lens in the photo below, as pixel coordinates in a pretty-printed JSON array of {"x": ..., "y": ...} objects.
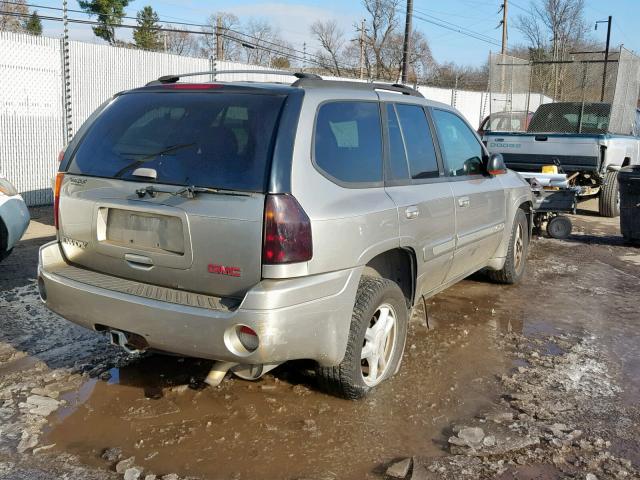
[
  {"x": 287, "y": 231},
  {"x": 56, "y": 198}
]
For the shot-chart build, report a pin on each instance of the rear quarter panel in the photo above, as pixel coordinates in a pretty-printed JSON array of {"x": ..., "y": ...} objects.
[{"x": 350, "y": 225}]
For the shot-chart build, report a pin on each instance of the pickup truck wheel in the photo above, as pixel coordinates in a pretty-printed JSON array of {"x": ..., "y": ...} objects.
[
  {"x": 609, "y": 198},
  {"x": 516, "y": 262},
  {"x": 376, "y": 341}
]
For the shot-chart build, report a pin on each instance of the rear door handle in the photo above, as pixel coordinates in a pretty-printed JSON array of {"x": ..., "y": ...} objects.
[
  {"x": 463, "y": 202},
  {"x": 412, "y": 212}
]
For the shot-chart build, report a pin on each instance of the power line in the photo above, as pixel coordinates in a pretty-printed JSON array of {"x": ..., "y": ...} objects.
[
  {"x": 304, "y": 54},
  {"x": 161, "y": 29},
  {"x": 459, "y": 29}
]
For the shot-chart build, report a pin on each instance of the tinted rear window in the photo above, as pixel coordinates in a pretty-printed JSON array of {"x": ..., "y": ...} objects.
[
  {"x": 571, "y": 118},
  {"x": 219, "y": 140},
  {"x": 348, "y": 141}
]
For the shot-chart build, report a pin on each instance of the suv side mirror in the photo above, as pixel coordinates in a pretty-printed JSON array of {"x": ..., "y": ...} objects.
[{"x": 495, "y": 164}]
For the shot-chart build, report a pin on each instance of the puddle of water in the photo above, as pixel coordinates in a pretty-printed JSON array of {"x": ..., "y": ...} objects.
[{"x": 278, "y": 427}]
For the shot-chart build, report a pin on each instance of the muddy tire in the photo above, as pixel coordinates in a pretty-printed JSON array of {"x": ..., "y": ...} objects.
[
  {"x": 376, "y": 341},
  {"x": 609, "y": 198},
  {"x": 516, "y": 262}
]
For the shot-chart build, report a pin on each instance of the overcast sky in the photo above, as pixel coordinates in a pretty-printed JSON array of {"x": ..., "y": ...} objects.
[{"x": 293, "y": 18}]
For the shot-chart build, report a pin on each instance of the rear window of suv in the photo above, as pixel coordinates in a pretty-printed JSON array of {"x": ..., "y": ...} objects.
[{"x": 216, "y": 140}]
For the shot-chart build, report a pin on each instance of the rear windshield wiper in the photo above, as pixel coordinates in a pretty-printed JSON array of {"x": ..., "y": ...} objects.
[
  {"x": 189, "y": 192},
  {"x": 149, "y": 156}
]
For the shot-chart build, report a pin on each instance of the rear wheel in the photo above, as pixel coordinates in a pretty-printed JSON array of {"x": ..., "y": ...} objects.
[
  {"x": 609, "y": 199},
  {"x": 376, "y": 340},
  {"x": 516, "y": 261}
]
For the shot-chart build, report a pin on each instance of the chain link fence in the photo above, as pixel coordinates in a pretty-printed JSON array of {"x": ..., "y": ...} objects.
[{"x": 582, "y": 94}]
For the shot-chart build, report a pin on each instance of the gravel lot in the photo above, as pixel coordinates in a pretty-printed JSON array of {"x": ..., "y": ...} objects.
[{"x": 539, "y": 380}]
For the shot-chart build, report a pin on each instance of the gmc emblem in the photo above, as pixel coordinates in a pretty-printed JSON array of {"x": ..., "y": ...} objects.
[{"x": 224, "y": 270}]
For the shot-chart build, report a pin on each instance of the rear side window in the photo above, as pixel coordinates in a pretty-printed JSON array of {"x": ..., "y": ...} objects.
[
  {"x": 399, "y": 168},
  {"x": 218, "y": 140},
  {"x": 423, "y": 162},
  {"x": 348, "y": 141},
  {"x": 461, "y": 149}
]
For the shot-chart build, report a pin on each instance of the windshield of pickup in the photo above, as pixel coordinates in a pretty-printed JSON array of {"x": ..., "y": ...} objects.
[
  {"x": 216, "y": 140},
  {"x": 570, "y": 117}
]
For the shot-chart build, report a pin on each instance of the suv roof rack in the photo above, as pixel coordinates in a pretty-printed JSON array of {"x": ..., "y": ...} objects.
[
  {"x": 174, "y": 78},
  {"x": 304, "y": 79},
  {"x": 389, "y": 87}
]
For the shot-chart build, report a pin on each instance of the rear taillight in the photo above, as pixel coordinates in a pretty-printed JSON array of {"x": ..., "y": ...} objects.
[
  {"x": 287, "y": 231},
  {"x": 56, "y": 198}
]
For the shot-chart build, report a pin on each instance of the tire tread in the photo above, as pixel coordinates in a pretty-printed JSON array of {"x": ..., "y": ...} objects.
[
  {"x": 341, "y": 380},
  {"x": 608, "y": 198}
]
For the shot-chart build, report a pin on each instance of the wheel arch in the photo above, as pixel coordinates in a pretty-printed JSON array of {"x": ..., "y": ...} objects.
[{"x": 398, "y": 265}]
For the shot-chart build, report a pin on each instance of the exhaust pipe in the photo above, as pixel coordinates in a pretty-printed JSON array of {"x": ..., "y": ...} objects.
[{"x": 132, "y": 343}]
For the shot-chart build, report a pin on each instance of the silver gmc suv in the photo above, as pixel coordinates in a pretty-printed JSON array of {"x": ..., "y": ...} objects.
[{"x": 255, "y": 223}]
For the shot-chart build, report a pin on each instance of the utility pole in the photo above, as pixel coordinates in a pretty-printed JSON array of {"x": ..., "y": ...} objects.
[
  {"x": 505, "y": 7},
  {"x": 362, "y": 30},
  {"x": 606, "y": 55},
  {"x": 407, "y": 41},
  {"x": 304, "y": 56},
  {"x": 219, "y": 44}
]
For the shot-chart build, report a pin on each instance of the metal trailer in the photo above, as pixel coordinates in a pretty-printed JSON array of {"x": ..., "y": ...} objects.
[{"x": 553, "y": 196}]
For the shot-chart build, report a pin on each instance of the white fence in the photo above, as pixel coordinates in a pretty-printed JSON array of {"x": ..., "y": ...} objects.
[{"x": 32, "y": 105}]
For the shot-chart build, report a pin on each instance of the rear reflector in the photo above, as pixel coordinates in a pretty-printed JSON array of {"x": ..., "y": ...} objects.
[
  {"x": 287, "y": 231},
  {"x": 56, "y": 198}
]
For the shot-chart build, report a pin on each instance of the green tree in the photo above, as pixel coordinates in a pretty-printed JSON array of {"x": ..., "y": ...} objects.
[
  {"x": 109, "y": 13},
  {"x": 33, "y": 24},
  {"x": 147, "y": 36}
]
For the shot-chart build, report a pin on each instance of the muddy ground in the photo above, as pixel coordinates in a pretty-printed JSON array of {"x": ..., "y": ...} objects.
[{"x": 539, "y": 380}]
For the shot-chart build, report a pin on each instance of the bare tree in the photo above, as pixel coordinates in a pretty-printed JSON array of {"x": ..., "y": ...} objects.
[
  {"x": 229, "y": 24},
  {"x": 13, "y": 22},
  {"x": 179, "y": 43},
  {"x": 382, "y": 25},
  {"x": 261, "y": 43},
  {"x": 554, "y": 27},
  {"x": 332, "y": 42},
  {"x": 450, "y": 75}
]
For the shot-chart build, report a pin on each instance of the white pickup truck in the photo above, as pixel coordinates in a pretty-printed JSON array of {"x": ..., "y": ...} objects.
[{"x": 574, "y": 137}]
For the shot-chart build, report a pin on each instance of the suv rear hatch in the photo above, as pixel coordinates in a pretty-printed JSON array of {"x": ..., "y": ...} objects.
[{"x": 168, "y": 185}]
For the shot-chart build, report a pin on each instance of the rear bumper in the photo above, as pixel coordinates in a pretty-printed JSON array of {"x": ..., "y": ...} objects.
[
  {"x": 302, "y": 318},
  {"x": 15, "y": 216}
]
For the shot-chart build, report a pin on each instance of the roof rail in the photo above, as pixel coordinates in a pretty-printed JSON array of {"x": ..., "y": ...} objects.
[
  {"x": 175, "y": 78},
  {"x": 389, "y": 87},
  {"x": 398, "y": 87}
]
